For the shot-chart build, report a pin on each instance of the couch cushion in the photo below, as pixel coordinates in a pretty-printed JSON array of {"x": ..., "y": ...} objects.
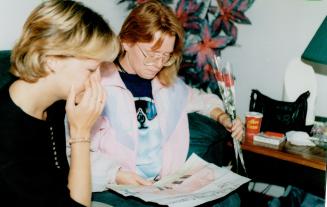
[{"x": 5, "y": 76}]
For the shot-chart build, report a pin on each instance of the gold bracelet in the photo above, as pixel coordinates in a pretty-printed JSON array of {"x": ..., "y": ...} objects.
[{"x": 78, "y": 140}]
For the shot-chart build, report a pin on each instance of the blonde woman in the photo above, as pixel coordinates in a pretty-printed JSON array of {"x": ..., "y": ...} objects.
[
  {"x": 144, "y": 132},
  {"x": 57, "y": 58}
]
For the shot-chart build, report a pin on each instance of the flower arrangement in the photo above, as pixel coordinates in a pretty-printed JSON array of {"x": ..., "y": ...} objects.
[
  {"x": 210, "y": 27},
  {"x": 225, "y": 82}
]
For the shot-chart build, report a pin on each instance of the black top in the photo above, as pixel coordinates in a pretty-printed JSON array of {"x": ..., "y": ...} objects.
[
  {"x": 138, "y": 86},
  {"x": 33, "y": 164}
]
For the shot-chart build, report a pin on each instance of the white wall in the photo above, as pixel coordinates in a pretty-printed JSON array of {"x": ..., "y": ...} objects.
[
  {"x": 13, "y": 14},
  {"x": 280, "y": 30}
]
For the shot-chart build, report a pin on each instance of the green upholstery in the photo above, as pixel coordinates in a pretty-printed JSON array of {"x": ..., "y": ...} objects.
[{"x": 5, "y": 76}]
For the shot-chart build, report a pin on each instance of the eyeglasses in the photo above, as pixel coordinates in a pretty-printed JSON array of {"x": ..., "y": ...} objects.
[{"x": 151, "y": 58}]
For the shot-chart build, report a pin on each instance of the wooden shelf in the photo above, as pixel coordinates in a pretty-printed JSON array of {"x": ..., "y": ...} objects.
[{"x": 313, "y": 157}]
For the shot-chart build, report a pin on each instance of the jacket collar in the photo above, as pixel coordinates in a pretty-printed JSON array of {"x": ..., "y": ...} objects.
[{"x": 110, "y": 77}]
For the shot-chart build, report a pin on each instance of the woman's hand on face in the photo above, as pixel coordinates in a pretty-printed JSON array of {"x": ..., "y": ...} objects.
[
  {"x": 83, "y": 115},
  {"x": 130, "y": 178},
  {"x": 235, "y": 127}
]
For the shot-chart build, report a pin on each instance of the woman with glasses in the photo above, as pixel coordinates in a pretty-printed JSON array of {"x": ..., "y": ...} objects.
[
  {"x": 57, "y": 58},
  {"x": 144, "y": 132}
]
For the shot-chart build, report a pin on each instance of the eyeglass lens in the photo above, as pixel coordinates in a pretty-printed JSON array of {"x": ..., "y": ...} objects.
[{"x": 153, "y": 58}]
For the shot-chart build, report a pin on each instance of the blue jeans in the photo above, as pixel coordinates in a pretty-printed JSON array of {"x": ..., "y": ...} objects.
[
  {"x": 294, "y": 196},
  {"x": 207, "y": 140}
]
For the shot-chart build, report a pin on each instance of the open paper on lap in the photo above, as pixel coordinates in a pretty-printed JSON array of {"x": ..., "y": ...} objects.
[{"x": 195, "y": 183}]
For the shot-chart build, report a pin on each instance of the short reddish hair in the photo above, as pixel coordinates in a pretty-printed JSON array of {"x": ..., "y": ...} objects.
[{"x": 147, "y": 19}]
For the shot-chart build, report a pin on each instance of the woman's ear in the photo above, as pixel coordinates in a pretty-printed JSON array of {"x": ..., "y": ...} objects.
[
  {"x": 126, "y": 46},
  {"x": 51, "y": 64}
]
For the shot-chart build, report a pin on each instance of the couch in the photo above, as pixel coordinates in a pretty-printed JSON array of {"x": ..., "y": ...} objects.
[{"x": 5, "y": 76}]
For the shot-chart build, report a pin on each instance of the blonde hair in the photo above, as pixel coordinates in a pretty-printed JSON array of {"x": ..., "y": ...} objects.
[
  {"x": 61, "y": 28},
  {"x": 147, "y": 19}
]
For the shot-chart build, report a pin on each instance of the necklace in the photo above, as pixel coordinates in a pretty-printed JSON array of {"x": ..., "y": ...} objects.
[{"x": 121, "y": 69}]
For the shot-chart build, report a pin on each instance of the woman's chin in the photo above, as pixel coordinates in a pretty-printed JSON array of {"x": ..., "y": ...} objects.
[{"x": 148, "y": 76}]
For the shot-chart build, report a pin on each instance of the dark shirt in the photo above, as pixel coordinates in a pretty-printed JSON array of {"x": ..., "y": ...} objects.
[
  {"x": 33, "y": 164},
  {"x": 141, "y": 89},
  {"x": 138, "y": 86}
]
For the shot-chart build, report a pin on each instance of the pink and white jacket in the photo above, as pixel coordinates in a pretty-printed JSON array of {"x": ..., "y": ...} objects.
[{"x": 114, "y": 141}]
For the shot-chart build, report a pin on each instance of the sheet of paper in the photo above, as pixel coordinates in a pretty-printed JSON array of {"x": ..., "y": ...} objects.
[{"x": 195, "y": 183}]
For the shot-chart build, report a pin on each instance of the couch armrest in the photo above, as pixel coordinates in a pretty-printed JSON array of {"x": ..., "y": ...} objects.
[{"x": 5, "y": 76}]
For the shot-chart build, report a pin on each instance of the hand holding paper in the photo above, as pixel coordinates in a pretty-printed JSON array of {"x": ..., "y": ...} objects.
[{"x": 195, "y": 183}]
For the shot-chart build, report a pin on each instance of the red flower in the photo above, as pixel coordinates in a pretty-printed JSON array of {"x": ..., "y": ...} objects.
[
  {"x": 186, "y": 14},
  {"x": 205, "y": 49},
  {"x": 207, "y": 71},
  {"x": 229, "y": 80},
  {"x": 231, "y": 11},
  {"x": 219, "y": 75}
]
